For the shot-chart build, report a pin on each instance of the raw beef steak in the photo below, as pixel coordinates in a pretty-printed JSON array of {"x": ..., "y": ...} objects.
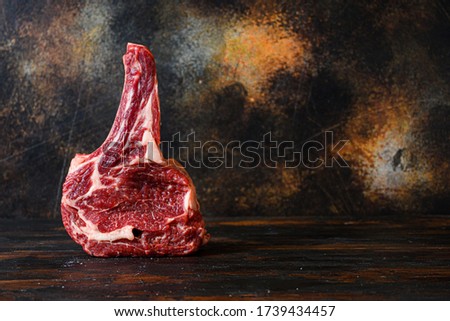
[{"x": 125, "y": 199}]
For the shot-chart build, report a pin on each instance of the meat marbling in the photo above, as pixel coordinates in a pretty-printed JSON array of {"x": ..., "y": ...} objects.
[{"x": 125, "y": 199}]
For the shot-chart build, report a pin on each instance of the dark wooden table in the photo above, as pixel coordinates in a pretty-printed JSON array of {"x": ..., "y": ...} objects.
[{"x": 276, "y": 259}]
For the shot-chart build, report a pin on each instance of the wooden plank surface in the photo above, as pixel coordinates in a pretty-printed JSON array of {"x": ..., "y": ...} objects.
[{"x": 298, "y": 259}]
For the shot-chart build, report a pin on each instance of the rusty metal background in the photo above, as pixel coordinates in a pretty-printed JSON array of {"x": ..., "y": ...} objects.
[{"x": 376, "y": 73}]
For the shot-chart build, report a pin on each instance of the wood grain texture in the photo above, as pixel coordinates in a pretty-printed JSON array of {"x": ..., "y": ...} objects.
[{"x": 268, "y": 259}]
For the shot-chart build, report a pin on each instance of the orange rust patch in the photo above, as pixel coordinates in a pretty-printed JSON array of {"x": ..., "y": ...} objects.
[{"x": 255, "y": 49}]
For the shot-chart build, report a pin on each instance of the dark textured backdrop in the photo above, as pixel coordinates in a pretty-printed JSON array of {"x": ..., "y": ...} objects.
[{"x": 375, "y": 72}]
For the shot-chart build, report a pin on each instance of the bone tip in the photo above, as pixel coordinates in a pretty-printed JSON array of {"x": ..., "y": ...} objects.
[{"x": 134, "y": 46}]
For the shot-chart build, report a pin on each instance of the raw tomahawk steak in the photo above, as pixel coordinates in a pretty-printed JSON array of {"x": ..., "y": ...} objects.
[{"x": 125, "y": 199}]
